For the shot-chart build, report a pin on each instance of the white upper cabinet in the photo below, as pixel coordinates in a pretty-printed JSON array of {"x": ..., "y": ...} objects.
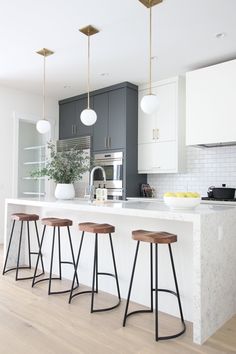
[
  {"x": 161, "y": 136},
  {"x": 211, "y": 104},
  {"x": 162, "y": 124}
]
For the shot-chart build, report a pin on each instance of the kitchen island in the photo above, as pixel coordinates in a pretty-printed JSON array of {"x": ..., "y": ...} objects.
[{"x": 204, "y": 254}]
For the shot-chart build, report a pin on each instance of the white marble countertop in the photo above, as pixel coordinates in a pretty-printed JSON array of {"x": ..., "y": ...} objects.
[
  {"x": 138, "y": 208},
  {"x": 211, "y": 202}
]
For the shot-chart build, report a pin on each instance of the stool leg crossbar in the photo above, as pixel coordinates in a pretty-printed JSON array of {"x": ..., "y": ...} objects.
[
  {"x": 18, "y": 267},
  {"x": 50, "y": 278},
  {"x": 155, "y": 289},
  {"x": 96, "y": 273}
]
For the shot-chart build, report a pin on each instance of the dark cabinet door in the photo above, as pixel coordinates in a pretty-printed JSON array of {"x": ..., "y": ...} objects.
[
  {"x": 82, "y": 130},
  {"x": 67, "y": 120},
  {"x": 117, "y": 119},
  {"x": 100, "y": 128}
]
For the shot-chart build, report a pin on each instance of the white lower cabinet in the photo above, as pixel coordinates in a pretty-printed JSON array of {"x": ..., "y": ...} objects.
[
  {"x": 161, "y": 136},
  {"x": 158, "y": 157}
]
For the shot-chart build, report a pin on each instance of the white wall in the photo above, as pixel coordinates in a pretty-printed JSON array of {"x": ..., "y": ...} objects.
[
  {"x": 205, "y": 167},
  {"x": 14, "y": 102}
]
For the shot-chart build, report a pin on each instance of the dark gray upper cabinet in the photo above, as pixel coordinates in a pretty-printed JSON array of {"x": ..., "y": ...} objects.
[
  {"x": 114, "y": 115},
  {"x": 67, "y": 120},
  {"x": 109, "y": 130},
  {"x": 117, "y": 119},
  {"x": 100, "y": 129}
]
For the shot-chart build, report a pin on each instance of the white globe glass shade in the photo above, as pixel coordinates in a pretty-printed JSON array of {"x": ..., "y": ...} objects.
[
  {"x": 88, "y": 116},
  {"x": 43, "y": 126},
  {"x": 149, "y": 104}
]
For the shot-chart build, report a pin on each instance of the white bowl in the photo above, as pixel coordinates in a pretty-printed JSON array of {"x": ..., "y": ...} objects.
[{"x": 182, "y": 203}]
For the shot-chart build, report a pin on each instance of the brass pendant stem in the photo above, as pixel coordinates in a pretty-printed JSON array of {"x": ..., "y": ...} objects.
[
  {"x": 88, "y": 79},
  {"x": 45, "y": 53},
  {"x": 89, "y": 31},
  {"x": 150, "y": 51},
  {"x": 44, "y": 81}
]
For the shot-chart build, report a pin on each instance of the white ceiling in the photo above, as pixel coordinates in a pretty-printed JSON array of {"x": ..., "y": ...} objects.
[{"x": 183, "y": 39}]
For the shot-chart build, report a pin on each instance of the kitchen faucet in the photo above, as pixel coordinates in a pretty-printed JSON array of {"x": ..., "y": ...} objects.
[{"x": 91, "y": 181}]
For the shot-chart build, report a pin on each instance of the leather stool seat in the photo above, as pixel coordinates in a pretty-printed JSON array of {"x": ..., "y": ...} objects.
[
  {"x": 24, "y": 217},
  {"x": 56, "y": 222},
  {"x": 96, "y": 228},
  {"x": 154, "y": 237}
]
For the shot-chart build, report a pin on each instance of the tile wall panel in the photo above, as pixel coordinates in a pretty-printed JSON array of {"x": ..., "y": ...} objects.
[{"x": 205, "y": 167}]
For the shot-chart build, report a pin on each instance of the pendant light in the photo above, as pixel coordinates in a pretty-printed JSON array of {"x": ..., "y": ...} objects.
[
  {"x": 149, "y": 103},
  {"x": 43, "y": 125},
  {"x": 88, "y": 115}
]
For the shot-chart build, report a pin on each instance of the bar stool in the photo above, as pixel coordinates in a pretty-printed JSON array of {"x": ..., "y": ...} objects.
[
  {"x": 155, "y": 238},
  {"x": 55, "y": 223},
  {"x": 23, "y": 217},
  {"x": 96, "y": 229}
]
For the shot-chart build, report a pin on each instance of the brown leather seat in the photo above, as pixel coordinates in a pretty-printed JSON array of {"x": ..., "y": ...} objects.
[
  {"x": 96, "y": 228},
  {"x": 56, "y": 222},
  {"x": 154, "y": 237},
  {"x": 24, "y": 217}
]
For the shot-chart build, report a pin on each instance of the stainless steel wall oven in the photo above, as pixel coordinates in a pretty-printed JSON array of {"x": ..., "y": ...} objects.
[{"x": 113, "y": 166}]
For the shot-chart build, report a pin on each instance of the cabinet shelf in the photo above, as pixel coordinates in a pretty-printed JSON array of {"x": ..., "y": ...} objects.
[
  {"x": 34, "y": 162},
  {"x": 35, "y": 147},
  {"x": 34, "y": 193},
  {"x": 33, "y": 178}
]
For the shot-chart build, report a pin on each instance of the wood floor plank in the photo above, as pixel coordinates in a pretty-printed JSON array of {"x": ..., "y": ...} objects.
[{"x": 31, "y": 322}]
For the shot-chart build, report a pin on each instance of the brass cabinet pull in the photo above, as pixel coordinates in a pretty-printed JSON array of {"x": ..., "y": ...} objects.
[{"x": 73, "y": 128}]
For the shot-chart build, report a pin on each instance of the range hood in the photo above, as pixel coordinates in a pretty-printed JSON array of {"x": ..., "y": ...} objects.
[
  {"x": 231, "y": 143},
  {"x": 210, "y": 105}
]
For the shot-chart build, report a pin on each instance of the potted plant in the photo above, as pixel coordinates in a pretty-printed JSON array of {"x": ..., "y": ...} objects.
[{"x": 65, "y": 168}]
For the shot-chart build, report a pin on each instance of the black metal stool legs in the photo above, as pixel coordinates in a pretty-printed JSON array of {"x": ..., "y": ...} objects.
[
  {"x": 96, "y": 273},
  {"x": 72, "y": 254},
  {"x": 40, "y": 254},
  {"x": 8, "y": 248},
  {"x": 114, "y": 265},
  {"x": 130, "y": 287},
  {"x": 156, "y": 290},
  {"x": 60, "y": 262},
  {"x": 177, "y": 290},
  {"x": 75, "y": 273},
  {"x": 39, "y": 257},
  {"x": 19, "y": 248},
  {"x": 18, "y": 267}
]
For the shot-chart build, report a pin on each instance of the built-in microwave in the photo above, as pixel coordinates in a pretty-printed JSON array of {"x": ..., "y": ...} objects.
[{"x": 113, "y": 166}]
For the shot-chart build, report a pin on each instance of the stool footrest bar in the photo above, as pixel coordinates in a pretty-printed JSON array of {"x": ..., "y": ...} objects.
[
  {"x": 109, "y": 274},
  {"x": 54, "y": 292}
]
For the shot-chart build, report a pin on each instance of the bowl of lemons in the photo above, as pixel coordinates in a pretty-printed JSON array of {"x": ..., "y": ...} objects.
[{"x": 182, "y": 200}]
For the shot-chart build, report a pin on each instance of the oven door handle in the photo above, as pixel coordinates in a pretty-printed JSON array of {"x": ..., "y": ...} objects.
[{"x": 109, "y": 162}]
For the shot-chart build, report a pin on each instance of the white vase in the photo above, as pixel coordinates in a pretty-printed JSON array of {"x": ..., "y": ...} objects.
[{"x": 65, "y": 191}]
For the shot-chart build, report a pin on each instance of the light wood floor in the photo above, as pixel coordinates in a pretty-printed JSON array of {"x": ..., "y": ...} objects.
[{"x": 31, "y": 322}]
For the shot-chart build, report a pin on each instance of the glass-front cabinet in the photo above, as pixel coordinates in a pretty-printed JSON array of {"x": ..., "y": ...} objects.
[{"x": 31, "y": 155}]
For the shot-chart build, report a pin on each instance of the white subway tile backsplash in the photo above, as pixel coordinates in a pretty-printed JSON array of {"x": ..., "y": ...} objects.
[{"x": 205, "y": 167}]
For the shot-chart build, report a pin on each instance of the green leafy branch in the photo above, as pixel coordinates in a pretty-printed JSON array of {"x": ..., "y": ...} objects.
[{"x": 64, "y": 166}]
